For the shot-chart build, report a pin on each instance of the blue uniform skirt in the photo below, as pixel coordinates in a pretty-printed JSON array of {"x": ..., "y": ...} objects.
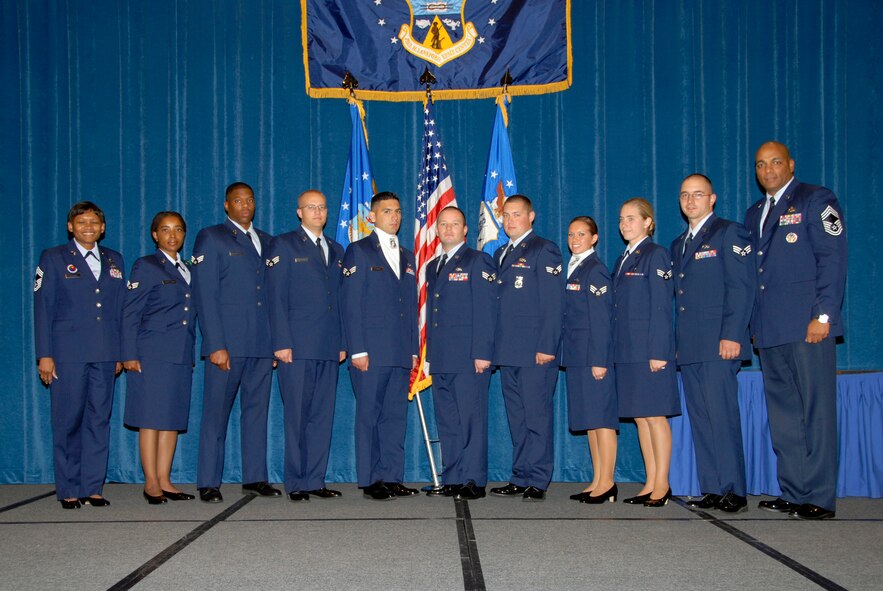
[
  {"x": 158, "y": 397},
  {"x": 591, "y": 403},
  {"x": 643, "y": 393}
]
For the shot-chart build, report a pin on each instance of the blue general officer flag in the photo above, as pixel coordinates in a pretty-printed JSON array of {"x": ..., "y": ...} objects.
[
  {"x": 499, "y": 183},
  {"x": 469, "y": 45},
  {"x": 358, "y": 185}
]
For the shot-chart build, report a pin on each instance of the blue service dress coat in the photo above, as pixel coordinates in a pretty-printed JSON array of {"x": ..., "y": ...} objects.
[
  {"x": 643, "y": 330},
  {"x": 77, "y": 324},
  {"x": 587, "y": 341},
  {"x": 714, "y": 282},
  {"x": 305, "y": 317},
  {"x": 159, "y": 330},
  {"x": 232, "y": 304},
  {"x": 460, "y": 318},
  {"x": 801, "y": 274},
  {"x": 379, "y": 312}
]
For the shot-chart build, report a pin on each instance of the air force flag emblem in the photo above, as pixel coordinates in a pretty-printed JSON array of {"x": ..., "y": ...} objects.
[{"x": 437, "y": 33}]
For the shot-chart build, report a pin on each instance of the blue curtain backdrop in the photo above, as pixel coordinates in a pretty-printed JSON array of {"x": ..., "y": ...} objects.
[{"x": 143, "y": 106}]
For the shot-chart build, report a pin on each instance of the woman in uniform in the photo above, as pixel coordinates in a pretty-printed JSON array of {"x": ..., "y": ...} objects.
[
  {"x": 158, "y": 338},
  {"x": 587, "y": 354},
  {"x": 643, "y": 342}
]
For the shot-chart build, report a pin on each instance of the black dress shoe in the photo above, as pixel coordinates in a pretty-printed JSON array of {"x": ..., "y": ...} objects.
[
  {"x": 732, "y": 503},
  {"x": 378, "y": 492},
  {"x": 706, "y": 501},
  {"x": 262, "y": 489},
  {"x": 580, "y": 495},
  {"x": 210, "y": 495},
  {"x": 177, "y": 496},
  {"x": 510, "y": 490},
  {"x": 451, "y": 490},
  {"x": 779, "y": 505},
  {"x": 400, "y": 490},
  {"x": 610, "y": 495},
  {"x": 95, "y": 501},
  {"x": 532, "y": 493},
  {"x": 651, "y": 502},
  {"x": 72, "y": 504},
  {"x": 470, "y": 492},
  {"x": 811, "y": 512},
  {"x": 637, "y": 499},
  {"x": 297, "y": 495},
  {"x": 324, "y": 493},
  {"x": 154, "y": 499}
]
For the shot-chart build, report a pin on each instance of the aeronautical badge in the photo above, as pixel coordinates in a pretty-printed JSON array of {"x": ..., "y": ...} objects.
[
  {"x": 458, "y": 276},
  {"x": 831, "y": 221},
  {"x": 705, "y": 254},
  {"x": 554, "y": 270},
  {"x": 742, "y": 252},
  {"x": 71, "y": 269},
  {"x": 38, "y": 279},
  {"x": 489, "y": 277},
  {"x": 195, "y": 260},
  {"x": 521, "y": 264},
  {"x": 598, "y": 291},
  {"x": 664, "y": 274},
  {"x": 350, "y": 271},
  {"x": 438, "y": 31},
  {"x": 130, "y": 285},
  {"x": 519, "y": 282},
  {"x": 791, "y": 238},
  {"x": 273, "y": 261}
]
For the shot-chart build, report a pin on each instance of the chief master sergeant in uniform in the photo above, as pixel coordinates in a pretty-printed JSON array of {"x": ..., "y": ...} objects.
[
  {"x": 713, "y": 268},
  {"x": 303, "y": 279},
  {"x": 530, "y": 295},
  {"x": 798, "y": 233},
  {"x": 460, "y": 318},
  {"x": 228, "y": 287}
]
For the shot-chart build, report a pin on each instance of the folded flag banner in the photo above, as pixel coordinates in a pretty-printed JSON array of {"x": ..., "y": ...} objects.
[
  {"x": 499, "y": 183},
  {"x": 358, "y": 184},
  {"x": 469, "y": 45}
]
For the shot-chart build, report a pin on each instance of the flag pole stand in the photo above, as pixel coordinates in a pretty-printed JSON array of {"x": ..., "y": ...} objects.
[{"x": 434, "y": 489}]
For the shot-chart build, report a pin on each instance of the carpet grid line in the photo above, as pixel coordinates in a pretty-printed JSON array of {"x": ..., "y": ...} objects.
[
  {"x": 473, "y": 579},
  {"x": 26, "y": 501}
]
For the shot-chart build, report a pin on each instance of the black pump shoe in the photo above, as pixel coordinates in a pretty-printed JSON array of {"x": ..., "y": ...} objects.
[{"x": 154, "y": 500}]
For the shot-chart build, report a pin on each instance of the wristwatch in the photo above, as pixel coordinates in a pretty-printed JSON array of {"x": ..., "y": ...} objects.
[{"x": 823, "y": 318}]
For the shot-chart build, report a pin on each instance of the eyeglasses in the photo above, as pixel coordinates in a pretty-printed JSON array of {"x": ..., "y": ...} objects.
[
  {"x": 695, "y": 196},
  {"x": 314, "y": 207}
]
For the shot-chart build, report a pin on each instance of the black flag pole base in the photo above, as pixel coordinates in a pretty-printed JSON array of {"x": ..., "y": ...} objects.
[{"x": 433, "y": 491}]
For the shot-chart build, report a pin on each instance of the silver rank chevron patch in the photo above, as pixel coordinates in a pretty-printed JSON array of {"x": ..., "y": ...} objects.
[
  {"x": 489, "y": 277},
  {"x": 742, "y": 252},
  {"x": 664, "y": 274},
  {"x": 350, "y": 271},
  {"x": 195, "y": 260},
  {"x": 831, "y": 221},
  {"x": 273, "y": 261},
  {"x": 598, "y": 291},
  {"x": 38, "y": 280},
  {"x": 130, "y": 285},
  {"x": 554, "y": 270}
]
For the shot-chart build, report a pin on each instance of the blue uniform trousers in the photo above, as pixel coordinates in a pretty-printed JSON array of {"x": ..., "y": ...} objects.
[
  {"x": 381, "y": 414},
  {"x": 527, "y": 392},
  {"x": 800, "y": 381},
  {"x": 460, "y": 401},
  {"x": 711, "y": 391},
  {"x": 253, "y": 376},
  {"x": 308, "y": 389},
  {"x": 81, "y": 402}
]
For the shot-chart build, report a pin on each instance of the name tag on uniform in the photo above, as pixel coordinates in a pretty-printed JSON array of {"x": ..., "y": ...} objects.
[
  {"x": 301, "y": 259},
  {"x": 574, "y": 287},
  {"x": 790, "y": 219},
  {"x": 236, "y": 254},
  {"x": 458, "y": 276},
  {"x": 705, "y": 254},
  {"x": 71, "y": 275},
  {"x": 168, "y": 281},
  {"x": 377, "y": 268}
]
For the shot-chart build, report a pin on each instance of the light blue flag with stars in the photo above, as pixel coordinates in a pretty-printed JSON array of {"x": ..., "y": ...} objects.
[
  {"x": 499, "y": 183},
  {"x": 358, "y": 184}
]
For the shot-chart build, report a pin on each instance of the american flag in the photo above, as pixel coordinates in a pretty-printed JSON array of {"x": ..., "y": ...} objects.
[
  {"x": 434, "y": 192},
  {"x": 358, "y": 184}
]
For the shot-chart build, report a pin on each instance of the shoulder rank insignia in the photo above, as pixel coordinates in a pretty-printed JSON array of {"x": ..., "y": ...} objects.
[
  {"x": 831, "y": 221},
  {"x": 38, "y": 279},
  {"x": 598, "y": 291},
  {"x": 489, "y": 277},
  {"x": 195, "y": 260},
  {"x": 273, "y": 261},
  {"x": 664, "y": 274},
  {"x": 554, "y": 270},
  {"x": 742, "y": 252},
  {"x": 130, "y": 285},
  {"x": 350, "y": 271}
]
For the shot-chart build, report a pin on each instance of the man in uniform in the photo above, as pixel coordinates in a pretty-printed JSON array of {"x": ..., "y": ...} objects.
[
  {"x": 714, "y": 274},
  {"x": 798, "y": 233},
  {"x": 530, "y": 311},
  {"x": 228, "y": 286},
  {"x": 303, "y": 278},
  {"x": 460, "y": 318},
  {"x": 379, "y": 311}
]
